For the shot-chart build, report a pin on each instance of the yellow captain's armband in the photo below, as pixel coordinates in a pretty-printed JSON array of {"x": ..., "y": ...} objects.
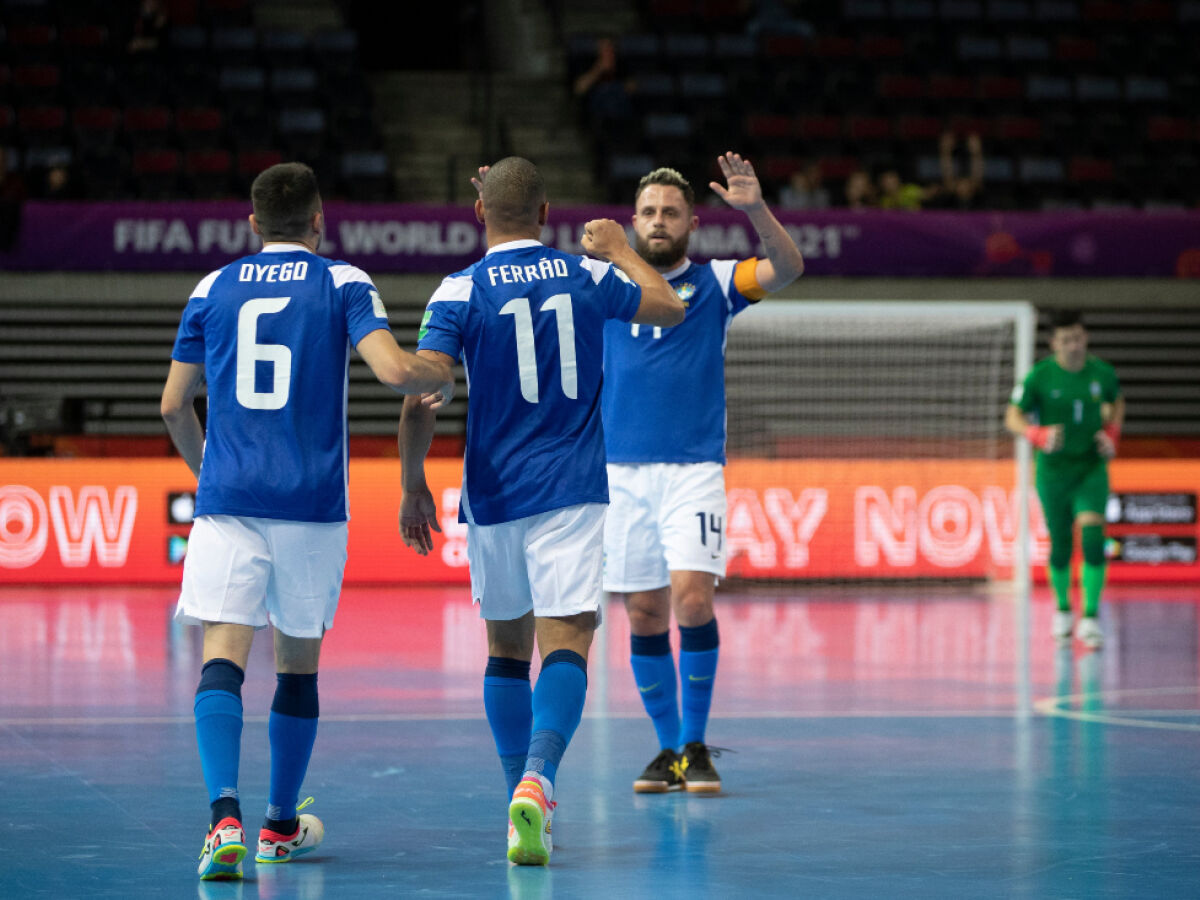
[{"x": 746, "y": 281}]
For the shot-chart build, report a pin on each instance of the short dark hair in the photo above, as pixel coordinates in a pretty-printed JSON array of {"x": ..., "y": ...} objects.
[
  {"x": 284, "y": 198},
  {"x": 667, "y": 178},
  {"x": 1065, "y": 318},
  {"x": 513, "y": 192}
]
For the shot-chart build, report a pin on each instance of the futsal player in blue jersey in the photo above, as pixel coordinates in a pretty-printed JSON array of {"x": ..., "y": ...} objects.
[
  {"x": 664, "y": 428},
  {"x": 527, "y": 322},
  {"x": 271, "y": 335}
]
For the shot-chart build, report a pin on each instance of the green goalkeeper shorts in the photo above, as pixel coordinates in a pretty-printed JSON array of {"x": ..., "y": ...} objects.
[{"x": 1066, "y": 490}]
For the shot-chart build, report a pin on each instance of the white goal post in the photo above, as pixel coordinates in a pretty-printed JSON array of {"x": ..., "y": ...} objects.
[{"x": 886, "y": 380}]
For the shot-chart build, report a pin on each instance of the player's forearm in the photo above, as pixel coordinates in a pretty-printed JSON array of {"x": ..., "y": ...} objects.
[
  {"x": 1015, "y": 422},
  {"x": 660, "y": 305},
  {"x": 187, "y": 434},
  {"x": 787, "y": 263},
  {"x": 414, "y": 438}
]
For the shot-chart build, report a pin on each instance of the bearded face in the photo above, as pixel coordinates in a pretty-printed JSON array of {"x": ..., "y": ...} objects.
[{"x": 660, "y": 249}]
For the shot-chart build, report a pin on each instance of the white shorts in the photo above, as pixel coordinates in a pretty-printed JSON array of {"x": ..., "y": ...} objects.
[
  {"x": 252, "y": 571},
  {"x": 549, "y": 563},
  {"x": 663, "y": 518}
]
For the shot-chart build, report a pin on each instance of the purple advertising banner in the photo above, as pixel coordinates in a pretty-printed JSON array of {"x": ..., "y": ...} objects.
[{"x": 198, "y": 237}]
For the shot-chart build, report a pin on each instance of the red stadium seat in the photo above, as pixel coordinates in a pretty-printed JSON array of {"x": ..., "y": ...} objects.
[
  {"x": 156, "y": 173},
  {"x": 1151, "y": 11},
  {"x": 819, "y": 128},
  {"x": 780, "y": 168},
  {"x": 918, "y": 128},
  {"x": 1171, "y": 129},
  {"x": 837, "y": 167},
  {"x": 1082, "y": 168},
  {"x": 1103, "y": 11},
  {"x": 96, "y": 127},
  {"x": 777, "y": 46},
  {"x": 900, "y": 87},
  {"x": 1000, "y": 87},
  {"x": 834, "y": 47},
  {"x": 251, "y": 162},
  {"x": 147, "y": 127},
  {"x": 200, "y": 127},
  {"x": 1076, "y": 49},
  {"x": 763, "y": 125},
  {"x": 950, "y": 87},
  {"x": 1018, "y": 128},
  {"x": 84, "y": 40},
  {"x": 868, "y": 128},
  {"x": 879, "y": 46},
  {"x": 42, "y": 126}
]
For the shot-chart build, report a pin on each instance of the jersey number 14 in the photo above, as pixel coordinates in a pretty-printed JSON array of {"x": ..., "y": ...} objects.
[{"x": 560, "y": 305}]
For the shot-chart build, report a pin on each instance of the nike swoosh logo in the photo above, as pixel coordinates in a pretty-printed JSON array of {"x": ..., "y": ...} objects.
[
  {"x": 649, "y": 688},
  {"x": 699, "y": 678}
]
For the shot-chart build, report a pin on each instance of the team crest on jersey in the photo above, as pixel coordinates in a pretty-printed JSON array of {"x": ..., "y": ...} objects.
[
  {"x": 1095, "y": 388},
  {"x": 686, "y": 291}
]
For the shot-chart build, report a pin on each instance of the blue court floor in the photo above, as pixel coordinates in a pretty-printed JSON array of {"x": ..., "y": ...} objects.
[{"x": 881, "y": 742}]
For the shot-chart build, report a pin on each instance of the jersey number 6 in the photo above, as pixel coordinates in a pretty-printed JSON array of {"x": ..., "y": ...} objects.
[{"x": 250, "y": 352}]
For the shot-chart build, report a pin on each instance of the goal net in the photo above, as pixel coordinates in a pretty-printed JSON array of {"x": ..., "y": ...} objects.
[{"x": 873, "y": 433}]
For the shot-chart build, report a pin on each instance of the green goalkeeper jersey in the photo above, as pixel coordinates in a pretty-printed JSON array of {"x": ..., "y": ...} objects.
[{"x": 1055, "y": 396}]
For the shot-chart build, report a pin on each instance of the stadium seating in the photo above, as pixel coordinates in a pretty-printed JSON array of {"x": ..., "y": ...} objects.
[
  {"x": 1074, "y": 99},
  {"x": 183, "y": 118}
]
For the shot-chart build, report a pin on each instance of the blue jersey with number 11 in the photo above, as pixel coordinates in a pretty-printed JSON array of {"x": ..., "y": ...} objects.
[
  {"x": 528, "y": 324},
  {"x": 274, "y": 332}
]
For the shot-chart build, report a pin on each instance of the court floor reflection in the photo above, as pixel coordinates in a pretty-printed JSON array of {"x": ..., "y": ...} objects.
[{"x": 879, "y": 750}]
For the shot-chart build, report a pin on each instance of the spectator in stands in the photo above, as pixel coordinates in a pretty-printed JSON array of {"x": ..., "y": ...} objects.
[
  {"x": 860, "y": 190},
  {"x": 603, "y": 90},
  {"x": 59, "y": 183},
  {"x": 896, "y": 193},
  {"x": 149, "y": 27},
  {"x": 959, "y": 191},
  {"x": 805, "y": 189},
  {"x": 13, "y": 192}
]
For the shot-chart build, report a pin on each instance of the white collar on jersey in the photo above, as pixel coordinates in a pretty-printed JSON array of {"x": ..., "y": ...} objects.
[
  {"x": 515, "y": 245},
  {"x": 285, "y": 247},
  {"x": 678, "y": 270}
]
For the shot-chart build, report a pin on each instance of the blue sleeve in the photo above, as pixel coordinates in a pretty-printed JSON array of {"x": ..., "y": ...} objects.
[
  {"x": 364, "y": 310},
  {"x": 621, "y": 296},
  {"x": 189, "y": 341},
  {"x": 442, "y": 328}
]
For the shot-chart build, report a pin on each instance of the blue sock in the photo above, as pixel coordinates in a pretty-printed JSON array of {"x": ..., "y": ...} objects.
[
  {"x": 654, "y": 674},
  {"x": 697, "y": 670},
  {"x": 292, "y": 729},
  {"x": 557, "y": 708},
  {"x": 218, "y": 712},
  {"x": 508, "y": 702}
]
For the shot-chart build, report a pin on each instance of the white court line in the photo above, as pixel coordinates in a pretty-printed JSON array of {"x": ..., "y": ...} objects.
[{"x": 1050, "y": 706}]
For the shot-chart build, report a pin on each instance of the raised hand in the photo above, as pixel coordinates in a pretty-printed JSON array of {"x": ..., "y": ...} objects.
[
  {"x": 604, "y": 238},
  {"x": 743, "y": 191},
  {"x": 477, "y": 183}
]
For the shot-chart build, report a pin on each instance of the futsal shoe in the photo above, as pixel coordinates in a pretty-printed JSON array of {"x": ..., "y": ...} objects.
[
  {"x": 699, "y": 776},
  {"x": 274, "y": 847},
  {"x": 665, "y": 773},
  {"x": 529, "y": 815},
  {"x": 1088, "y": 631},
  {"x": 1061, "y": 625},
  {"x": 224, "y": 848}
]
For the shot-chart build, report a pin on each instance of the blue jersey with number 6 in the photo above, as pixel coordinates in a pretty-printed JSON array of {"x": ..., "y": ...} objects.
[
  {"x": 528, "y": 323},
  {"x": 274, "y": 332}
]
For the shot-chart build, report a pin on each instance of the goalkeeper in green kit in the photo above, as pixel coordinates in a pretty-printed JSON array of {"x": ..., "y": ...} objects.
[{"x": 1071, "y": 409}]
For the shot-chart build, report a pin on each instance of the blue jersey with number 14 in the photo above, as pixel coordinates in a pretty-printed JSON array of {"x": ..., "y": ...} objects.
[
  {"x": 274, "y": 332},
  {"x": 528, "y": 324}
]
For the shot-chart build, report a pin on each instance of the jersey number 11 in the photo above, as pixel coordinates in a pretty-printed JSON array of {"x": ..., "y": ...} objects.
[{"x": 560, "y": 305}]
